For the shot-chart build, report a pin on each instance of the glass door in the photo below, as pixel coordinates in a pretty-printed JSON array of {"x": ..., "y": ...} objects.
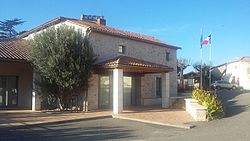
[
  {"x": 127, "y": 90},
  {"x": 2, "y": 92},
  {"x": 104, "y": 93},
  {"x": 8, "y": 91}
]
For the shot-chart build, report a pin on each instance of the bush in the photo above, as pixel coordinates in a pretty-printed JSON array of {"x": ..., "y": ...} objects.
[
  {"x": 209, "y": 100},
  {"x": 64, "y": 59}
]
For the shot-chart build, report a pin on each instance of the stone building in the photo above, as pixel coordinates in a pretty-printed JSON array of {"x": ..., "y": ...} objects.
[{"x": 132, "y": 69}]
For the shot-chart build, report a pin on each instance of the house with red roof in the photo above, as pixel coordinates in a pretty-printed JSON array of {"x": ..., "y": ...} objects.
[{"x": 131, "y": 69}]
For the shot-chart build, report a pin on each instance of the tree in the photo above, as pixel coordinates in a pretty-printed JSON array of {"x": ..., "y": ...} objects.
[
  {"x": 182, "y": 64},
  {"x": 47, "y": 91},
  {"x": 7, "y": 28},
  {"x": 205, "y": 74},
  {"x": 64, "y": 60}
]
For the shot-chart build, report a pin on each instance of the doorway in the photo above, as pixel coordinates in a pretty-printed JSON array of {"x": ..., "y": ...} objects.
[
  {"x": 8, "y": 91},
  {"x": 130, "y": 92},
  {"x": 127, "y": 90},
  {"x": 104, "y": 92}
]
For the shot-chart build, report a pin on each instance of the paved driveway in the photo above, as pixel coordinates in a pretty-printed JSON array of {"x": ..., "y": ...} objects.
[
  {"x": 235, "y": 126},
  {"x": 27, "y": 117}
]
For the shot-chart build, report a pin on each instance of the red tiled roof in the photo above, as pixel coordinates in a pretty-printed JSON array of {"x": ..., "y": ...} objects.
[
  {"x": 121, "y": 61},
  {"x": 14, "y": 49},
  {"x": 102, "y": 29},
  {"x": 118, "y": 32}
]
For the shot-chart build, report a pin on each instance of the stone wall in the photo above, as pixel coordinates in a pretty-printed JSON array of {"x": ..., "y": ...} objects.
[
  {"x": 106, "y": 46},
  {"x": 93, "y": 92}
]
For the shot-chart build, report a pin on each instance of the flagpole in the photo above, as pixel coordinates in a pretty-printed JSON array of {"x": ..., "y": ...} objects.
[
  {"x": 210, "y": 61},
  {"x": 201, "y": 86}
]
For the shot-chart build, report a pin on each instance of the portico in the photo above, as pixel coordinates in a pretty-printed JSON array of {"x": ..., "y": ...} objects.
[{"x": 120, "y": 65}]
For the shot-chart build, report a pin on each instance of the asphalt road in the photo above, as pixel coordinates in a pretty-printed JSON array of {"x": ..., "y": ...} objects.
[{"x": 234, "y": 127}]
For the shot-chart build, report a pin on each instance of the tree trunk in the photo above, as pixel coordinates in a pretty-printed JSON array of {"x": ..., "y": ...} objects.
[
  {"x": 60, "y": 104},
  {"x": 86, "y": 99},
  {"x": 181, "y": 78}
]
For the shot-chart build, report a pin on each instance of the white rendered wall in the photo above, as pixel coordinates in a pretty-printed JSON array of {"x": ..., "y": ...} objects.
[{"x": 117, "y": 91}]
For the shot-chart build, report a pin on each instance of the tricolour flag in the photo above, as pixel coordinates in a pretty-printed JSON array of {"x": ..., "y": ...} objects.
[{"x": 207, "y": 40}]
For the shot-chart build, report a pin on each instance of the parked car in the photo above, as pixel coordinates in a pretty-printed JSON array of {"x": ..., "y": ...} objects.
[{"x": 225, "y": 85}]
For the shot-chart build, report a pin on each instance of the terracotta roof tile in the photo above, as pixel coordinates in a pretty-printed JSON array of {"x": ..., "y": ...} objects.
[
  {"x": 103, "y": 29},
  {"x": 122, "y": 33},
  {"x": 14, "y": 49},
  {"x": 122, "y": 60}
]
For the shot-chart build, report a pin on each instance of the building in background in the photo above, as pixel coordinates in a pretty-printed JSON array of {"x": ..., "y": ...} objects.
[{"x": 237, "y": 71}]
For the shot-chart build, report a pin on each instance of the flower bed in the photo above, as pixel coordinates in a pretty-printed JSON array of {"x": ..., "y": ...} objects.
[{"x": 209, "y": 99}]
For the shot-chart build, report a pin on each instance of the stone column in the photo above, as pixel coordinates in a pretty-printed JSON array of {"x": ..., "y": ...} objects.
[
  {"x": 117, "y": 91},
  {"x": 165, "y": 90},
  {"x": 36, "y": 102}
]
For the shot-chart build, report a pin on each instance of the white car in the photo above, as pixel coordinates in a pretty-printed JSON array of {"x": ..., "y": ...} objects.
[{"x": 225, "y": 85}]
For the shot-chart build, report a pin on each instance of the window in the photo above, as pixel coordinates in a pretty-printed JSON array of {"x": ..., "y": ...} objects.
[
  {"x": 8, "y": 91},
  {"x": 158, "y": 86},
  {"x": 121, "y": 49},
  {"x": 104, "y": 92},
  {"x": 167, "y": 56}
]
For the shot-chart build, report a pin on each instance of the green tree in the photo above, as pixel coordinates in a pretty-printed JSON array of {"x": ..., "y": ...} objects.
[
  {"x": 7, "y": 28},
  {"x": 64, "y": 60}
]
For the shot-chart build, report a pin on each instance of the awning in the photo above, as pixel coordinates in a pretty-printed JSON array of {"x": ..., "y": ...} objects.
[{"x": 130, "y": 64}]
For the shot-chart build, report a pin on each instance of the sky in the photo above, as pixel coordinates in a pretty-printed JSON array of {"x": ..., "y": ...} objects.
[{"x": 175, "y": 22}]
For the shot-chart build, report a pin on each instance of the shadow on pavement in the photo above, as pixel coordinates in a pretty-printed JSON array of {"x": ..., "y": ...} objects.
[
  {"x": 67, "y": 130},
  {"x": 230, "y": 100}
]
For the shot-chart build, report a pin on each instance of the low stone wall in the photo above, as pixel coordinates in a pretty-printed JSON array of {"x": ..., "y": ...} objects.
[
  {"x": 151, "y": 101},
  {"x": 197, "y": 111}
]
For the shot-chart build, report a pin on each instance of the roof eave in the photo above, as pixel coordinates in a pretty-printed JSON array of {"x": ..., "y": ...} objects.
[
  {"x": 13, "y": 60},
  {"x": 60, "y": 19},
  {"x": 43, "y": 26}
]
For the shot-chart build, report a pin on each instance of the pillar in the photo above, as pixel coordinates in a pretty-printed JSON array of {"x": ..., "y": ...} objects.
[
  {"x": 117, "y": 91},
  {"x": 165, "y": 90},
  {"x": 35, "y": 102}
]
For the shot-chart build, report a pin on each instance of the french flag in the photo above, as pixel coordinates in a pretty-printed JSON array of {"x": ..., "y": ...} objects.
[{"x": 207, "y": 40}]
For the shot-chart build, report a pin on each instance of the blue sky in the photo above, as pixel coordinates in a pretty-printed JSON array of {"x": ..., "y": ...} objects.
[{"x": 175, "y": 22}]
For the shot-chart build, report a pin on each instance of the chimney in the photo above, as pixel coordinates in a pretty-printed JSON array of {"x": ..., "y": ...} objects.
[
  {"x": 94, "y": 19},
  {"x": 101, "y": 21}
]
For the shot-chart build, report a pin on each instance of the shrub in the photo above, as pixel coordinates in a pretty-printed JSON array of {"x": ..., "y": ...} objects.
[
  {"x": 64, "y": 59},
  {"x": 209, "y": 100}
]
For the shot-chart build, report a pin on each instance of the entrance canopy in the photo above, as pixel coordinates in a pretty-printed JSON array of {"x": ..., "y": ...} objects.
[{"x": 130, "y": 64}]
